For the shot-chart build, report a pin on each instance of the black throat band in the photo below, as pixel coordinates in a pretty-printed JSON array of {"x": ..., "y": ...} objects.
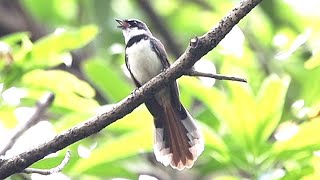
[{"x": 136, "y": 39}]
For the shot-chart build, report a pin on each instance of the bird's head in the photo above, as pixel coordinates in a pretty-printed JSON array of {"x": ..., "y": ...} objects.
[{"x": 132, "y": 27}]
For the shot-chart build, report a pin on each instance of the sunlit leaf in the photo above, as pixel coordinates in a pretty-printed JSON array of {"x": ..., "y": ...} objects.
[
  {"x": 107, "y": 79},
  {"x": 226, "y": 178},
  {"x": 271, "y": 100},
  {"x": 70, "y": 120},
  {"x": 14, "y": 38},
  {"x": 57, "y": 12},
  {"x": 134, "y": 121},
  {"x": 65, "y": 39},
  {"x": 118, "y": 169},
  {"x": 215, "y": 142},
  {"x": 305, "y": 82},
  {"x": 242, "y": 123},
  {"x": 316, "y": 164},
  {"x": 59, "y": 81},
  {"x": 305, "y": 141},
  {"x": 11, "y": 75},
  {"x": 48, "y": 51},
  {"x": 314, "y": 61},
  {"x": 70, "y": 92},
  {"x": 7, "y": 116},
  {"x": 124, "y": 146},
  {"x": 211, "y": 97}
]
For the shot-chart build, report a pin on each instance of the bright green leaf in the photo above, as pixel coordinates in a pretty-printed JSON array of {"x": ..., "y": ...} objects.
[
  {"x": 70, "y": 120},
  {"x": 124, "y": 146},
  {"x": 314, "y": 61},
  {"x": 211, "y": 97},
  {"x": 215, "y": 142},
  {"x": 7, "y": 116},
  {"x": 71, "y": 92},
  {"x": 107, "y": 79},
  {"x": 15, "y": 37},
  {"x": 134, "y": 121},
  {"x": 306, "y": 140},
  {"x": 271, "y": 100},
  {"x": 58, "y": 81},
  {"x": 65, "y": 40},
  {"x": 119, "y": 169},
  {"x": 49, "y": 50},
  {"x": 243, "y": 120}
]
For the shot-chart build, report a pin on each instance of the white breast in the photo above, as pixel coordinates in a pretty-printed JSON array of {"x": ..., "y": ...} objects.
[{"x": 143, "y": 62}]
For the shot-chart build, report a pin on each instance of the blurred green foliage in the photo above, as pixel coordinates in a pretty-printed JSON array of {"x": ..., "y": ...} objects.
[{"x": 265, "y": 129}]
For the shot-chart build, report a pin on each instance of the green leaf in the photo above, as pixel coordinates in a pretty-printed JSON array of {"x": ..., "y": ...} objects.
[
  {"x": 55, "y": 13},
  {"x": 65, "y": 40},
  {"x": 256, "y": 118},
  {"x": 242, "y": 119},
  {"x": 118, "y": 169},
  {"x": 271, "y": 99},
  {"x": 11, "y": 75},
  {"x": 250, "y": 120},
  {"x": 134, "y": 121},
  {"x": 124, "y": 146},
  {"x": 71, "y": 92},
  {"x": 50, "y": 50},
  {"x": 15, "y": 37},
  {"x": 216, "y": 144},
  {"x": 58, "y": 81},
  {"x": 68, "y": 120},
  {"x": 7, "y": 116},
  {"x": 107, "y": 79},
  {"x": 226, "y": 177},
  {"x": 20, "y": 45},
  {"x": 304, "y": 86},
  {"x": 306, "y": 140},
  {"x": 211, "y": 97},
  {"x": 314, "y": 61}
]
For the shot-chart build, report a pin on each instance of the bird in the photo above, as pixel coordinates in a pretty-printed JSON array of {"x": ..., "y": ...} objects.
[{"x": 178, "y": 140}]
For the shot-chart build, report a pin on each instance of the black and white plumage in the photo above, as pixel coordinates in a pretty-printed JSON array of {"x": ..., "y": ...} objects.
[{"x": 178, "y": 140}]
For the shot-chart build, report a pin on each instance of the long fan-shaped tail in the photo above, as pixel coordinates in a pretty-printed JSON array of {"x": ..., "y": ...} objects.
[{"x": 179, "y": 141}]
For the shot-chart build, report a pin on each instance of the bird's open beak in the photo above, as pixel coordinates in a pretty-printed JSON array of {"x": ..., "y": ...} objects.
[{"x": 123, "y": 24}]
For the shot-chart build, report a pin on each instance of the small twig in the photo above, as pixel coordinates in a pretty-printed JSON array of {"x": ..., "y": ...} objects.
[
  {"x": 40, "y": 108},
  {"x": 56, "y": 169},
  {"x": 215, "y": 76}
]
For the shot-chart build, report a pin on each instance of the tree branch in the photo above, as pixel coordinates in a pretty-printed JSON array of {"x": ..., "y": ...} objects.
[
  {"x": 56, "y": 169},
  {"x": 197, "y": 49},
  {"x": 41, "y": 107}
]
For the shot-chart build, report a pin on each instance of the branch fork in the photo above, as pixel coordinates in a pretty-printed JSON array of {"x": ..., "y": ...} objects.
[{"x": 194, "y": 42}]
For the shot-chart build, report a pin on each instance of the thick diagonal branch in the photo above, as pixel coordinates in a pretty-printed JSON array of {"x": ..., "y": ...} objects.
[{"x": 197, "y": 49}]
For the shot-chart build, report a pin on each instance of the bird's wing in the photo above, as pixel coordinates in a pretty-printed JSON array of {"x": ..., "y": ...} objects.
[
  {"x": 161, "y": 53},
  {"x": 128, "y": 67}
]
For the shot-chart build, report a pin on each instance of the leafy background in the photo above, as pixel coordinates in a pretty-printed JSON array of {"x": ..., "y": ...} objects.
[{"x": 265, "y": 129}]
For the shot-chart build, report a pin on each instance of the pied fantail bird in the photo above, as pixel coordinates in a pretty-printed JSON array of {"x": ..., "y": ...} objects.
[{"x": 178, "y": 140}]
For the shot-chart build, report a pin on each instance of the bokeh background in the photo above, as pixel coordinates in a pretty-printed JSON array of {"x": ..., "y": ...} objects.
[{"x": 265, "y": 129}]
